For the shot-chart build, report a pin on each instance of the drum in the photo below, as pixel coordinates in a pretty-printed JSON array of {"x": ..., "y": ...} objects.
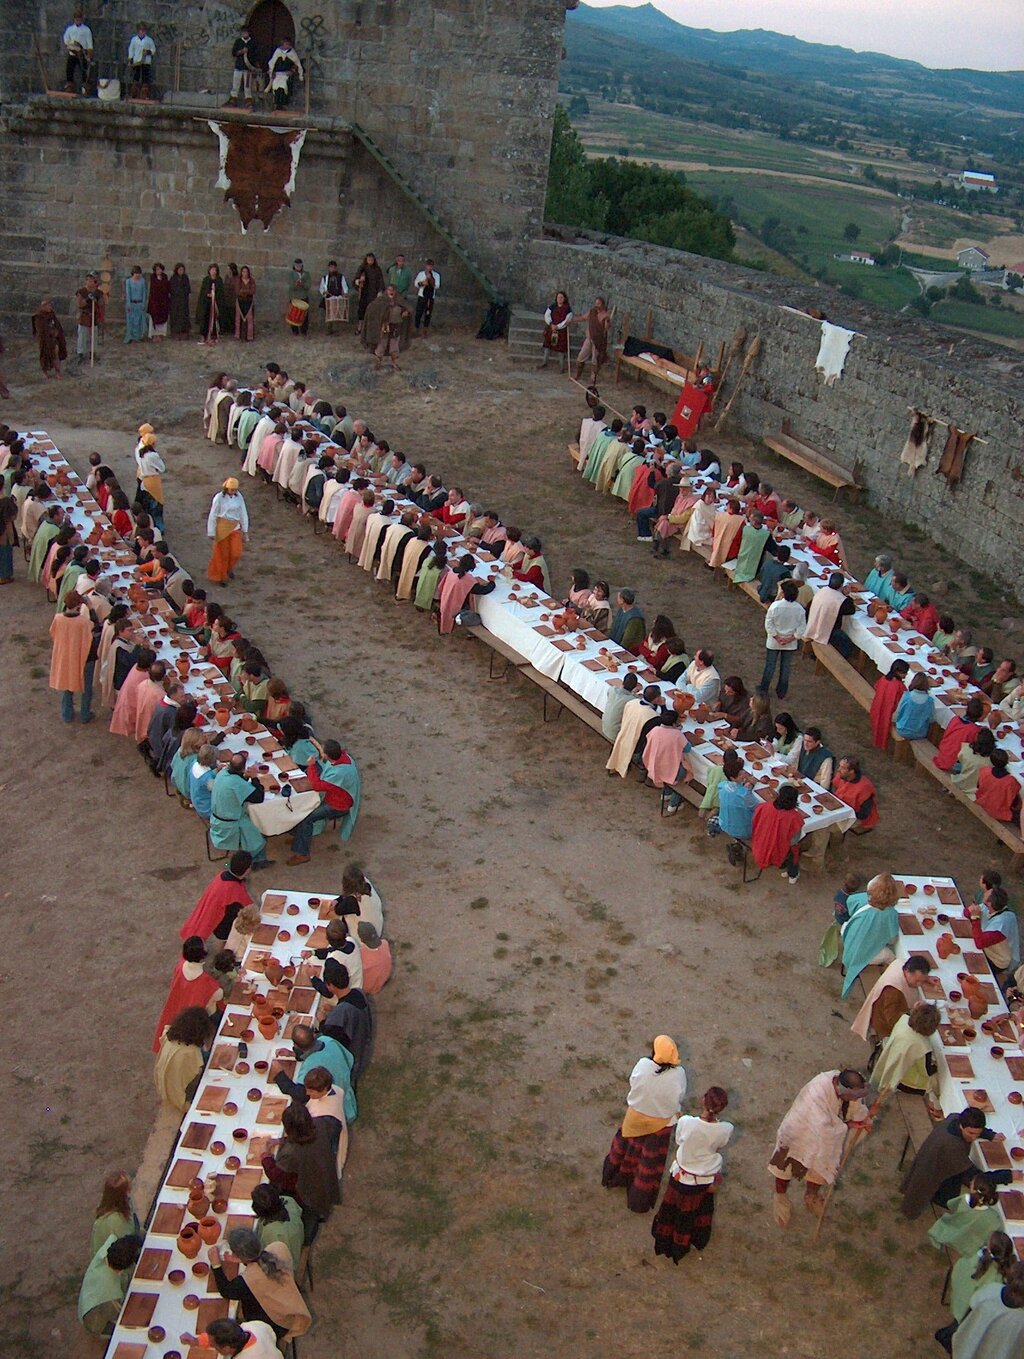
[
  {"x": 336, "y": 309},
  {"x": 297, "y": 312}
]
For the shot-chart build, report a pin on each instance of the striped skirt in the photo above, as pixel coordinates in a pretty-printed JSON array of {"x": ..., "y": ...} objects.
[
  {"x": 637, "y": 1163},
  {"x": 684, "y": 1219}
]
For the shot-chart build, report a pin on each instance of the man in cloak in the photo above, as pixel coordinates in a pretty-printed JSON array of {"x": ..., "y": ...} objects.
[
  {"x": 943, "y": 1162},
  {"x": 227, "y": 894},
  {"x": 811, "y": 1138}
]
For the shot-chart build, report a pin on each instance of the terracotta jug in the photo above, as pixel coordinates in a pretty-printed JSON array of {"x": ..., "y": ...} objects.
[
  {"x": 189, "y": 1241},
  {"x": 221, "y": 716},
  {"x": 198, "y": 1204},
  {"x": 209, "y": 1230},
  {"x": 184, "y": 665},
  {"x": 974, "y": 996},
  {"x": 880, "y": 612},
  {"x": 268, "y": 1026},
  {"x": 682, "y": 702},
  {"x": 945, "y": 946},
  {"x": 260, "y": 1007},
  {"x": 274, "y": 972}
]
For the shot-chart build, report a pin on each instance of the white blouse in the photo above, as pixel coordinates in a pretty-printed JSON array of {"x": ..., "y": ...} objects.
[
  {"x": 698, "y": 1157},
  {"x": 658, "y": 1094}
]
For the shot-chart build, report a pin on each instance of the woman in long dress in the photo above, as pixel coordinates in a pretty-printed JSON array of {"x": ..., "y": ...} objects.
[
  {"x": 136, "y": 298},
  {"x": 180, "y": 288},
  {"x": 228, "y": 526},
  {"x": 369, "y": 284},
  {"x": 47, "y": 329},
  {"x": 686, "y": 1214},
  {"x": 211, "y": 308},
  {"x": 245, "y": 305},
  {"x": 636, "y": 1159},
  {"x": 159, "y": 304}
]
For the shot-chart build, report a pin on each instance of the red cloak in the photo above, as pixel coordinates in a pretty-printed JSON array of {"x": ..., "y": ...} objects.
[
  {"x": 855, "y": 792},
  {"x": 957, "y": 734},
  {"x": 224, "y": 891},
  {"x": 183, "y": 994},
  {"x": 997, "y": 796},
  {"x": 888, "y": 693},
  {"x": 773, "y": 835}
]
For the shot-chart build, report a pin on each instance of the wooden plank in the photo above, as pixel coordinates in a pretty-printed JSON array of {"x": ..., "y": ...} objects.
[
  {"x": 832, "y": 476},
  {"x": 924, "y": 753}
]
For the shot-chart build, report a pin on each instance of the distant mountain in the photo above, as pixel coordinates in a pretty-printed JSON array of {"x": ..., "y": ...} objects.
[{"x": 774, "y": 54}]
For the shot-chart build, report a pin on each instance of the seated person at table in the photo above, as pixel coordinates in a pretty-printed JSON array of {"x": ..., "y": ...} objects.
[
  {"x": 377, "y": 960},
  {"x": 319, "y": 1050},
  {"x": 872, "y": 929},
  {"x": 889, "y": 690},
  {"x": 676, "y": 662},
  {"x": 324, "y": 1100},
  {"x": 830, "y": 605},
  {"x": 786, "y": 734},
  {"x": 231, "y": 794},
  {"x": 732, "y": 701},
  {"x": 251, "y": 688},
  {"x": 905, "y": 1061},
  {"x": 343, "y": 949},
  {"x": 974, "y": 756},
  {"x": 653, "y": 648},
  {"x": 336, "y": 779},
  {"x": 776, "y": 832},
  {"x": 664, "y": 758},
  {"x": 350, "y": 1021},
  {"x": 701, "y": 679},
  {"x": 182, "y": 1055},
  {"x": 755, "y": 723},
  {"x": 1003, "y": 681},
  {"x": 898, "y": 594},
  {"x": 880, "y": 575},
  {"x": 791, "y": 516},
  {"x": 996, "y": 932},
  {"x": 579, "y": 590},
  {"x": 998, "y": 792},
  {"x": 979, "y": 669},
  {"x": 774, "y": 569},
  {"x": 944, "y": 633},
  {"x": 278, "y": 1218},
  {"x": 598, "y": 610},
  {"x": 202, "y": 771},
  {"x": 264, "y": 1288},
  {"x": 892, "y": 995},
  {"x": 737, "y": 803},
  {"x": 106, "y": 1282},
  {"x": 961, "y": 731},
  {"x": 852, "y": 786},
  {"x": 628, "y": 628},
  {"x": 960, "y": 648},
  {"x": 943, "y": 1162},
  {"x": 532, "y": 569},
  {"x": 615, "y": 705},
  {"x": 922, "y": 615},
  {"x": 278, "y": 700},
  {"x": 115, "y": 1215},
  {"x": 916, "y": 710}
]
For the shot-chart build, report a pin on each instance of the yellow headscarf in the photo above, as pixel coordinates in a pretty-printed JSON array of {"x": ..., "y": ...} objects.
[{"x": 665, "y": 1051}]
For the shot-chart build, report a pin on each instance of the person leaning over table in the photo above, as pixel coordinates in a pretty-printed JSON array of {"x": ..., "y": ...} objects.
[
  {"x": 304, "y": 1165},
  {"x": 106, "y": 1282},
  {"x": 990, "y": 1309},
  {"x": 264, "y": 1288},
  {"x": 182, "y": 1056},
  {"x": 943, "y": 1162},
  {"x": 231, "y": 794},
  {"x": 228, "y": 1338},
  {"x": 996, "y": 932},
  {"x": 961, "y": 731},
  {"x": 701, "y": 679},
  {"x": 278, "y": 1218},
  {"x": 998, "y": 792}
]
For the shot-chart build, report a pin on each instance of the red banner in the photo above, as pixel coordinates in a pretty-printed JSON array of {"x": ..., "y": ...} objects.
[{"x": 691, "y": 406}]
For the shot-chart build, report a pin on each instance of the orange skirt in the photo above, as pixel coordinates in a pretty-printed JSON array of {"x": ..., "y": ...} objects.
[{"x": 225, "y": 555}]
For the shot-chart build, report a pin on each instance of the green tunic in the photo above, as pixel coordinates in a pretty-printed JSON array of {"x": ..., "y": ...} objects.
[
  {"x": 597, "y": 452},
  {"x": 230, "y": 827},
  {"x": 624, "y": 478},
  {"x": 180, "y": 766},
  {"x": 102, "y": 1291},
  {"x": 288, "y": 1233},
  {"x": 426, "y": 584},
  {"x": 247, "y": 422},
  {"x": 67, "y": 582},
  {"x": 748, "y": 560},
  {"x": 45, "y": 535},
  {"x": 965, "y": 1230},
  {"x": 400, "y": 277},
  {"x": 111, "y": 1225}
]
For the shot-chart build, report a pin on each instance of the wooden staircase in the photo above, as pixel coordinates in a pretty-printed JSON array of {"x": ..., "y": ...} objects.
[
  {"x": 526, "y": 335},
  {"x": 456, "y": 246}
]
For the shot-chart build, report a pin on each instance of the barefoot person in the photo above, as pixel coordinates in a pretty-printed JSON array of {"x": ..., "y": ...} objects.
[
  {"x": 228, "y": 525},
  {"x": 393, "y": 319},
  {"x": 809, "y": 1143},
  {"x": 636, "y": 1159}
]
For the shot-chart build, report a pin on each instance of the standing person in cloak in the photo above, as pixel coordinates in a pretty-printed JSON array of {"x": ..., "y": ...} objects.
[
  {"x": 159, "y": 304},
  {"x": 212, "y": 317},
  {"x": 228, "y": 526},
  {"x": 53, "y": 347},
  {"x": 227, "y": 895},
  {"x": 179, "y": 303},
  {"x": 71, "y": 670},
  {"x": 943, "y": 1162},
  {"x": 811, "y": 1138},
  {"x": 369, "y": 284},
  {"x": 888, "y": 692},
  {"x": 636, "y": 1158},
  {"x": 557, "y": 319}
]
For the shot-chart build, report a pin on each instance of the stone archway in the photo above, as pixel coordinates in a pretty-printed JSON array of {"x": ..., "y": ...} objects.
[{"x": 269, "y": 23}]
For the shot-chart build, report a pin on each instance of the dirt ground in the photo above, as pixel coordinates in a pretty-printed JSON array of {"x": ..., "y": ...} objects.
[{"x": 545, "y": 921}]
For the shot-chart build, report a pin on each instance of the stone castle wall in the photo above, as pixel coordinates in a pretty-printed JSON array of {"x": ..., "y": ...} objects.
[
  {"x": 459, "y": 94},
  {"x": 863, "y": 419}
]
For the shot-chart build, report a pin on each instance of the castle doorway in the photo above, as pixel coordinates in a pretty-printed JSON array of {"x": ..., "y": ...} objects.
[{"x": 269, "y": 23}]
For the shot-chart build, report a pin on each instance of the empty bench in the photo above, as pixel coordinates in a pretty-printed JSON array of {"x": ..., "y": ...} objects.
[{"x": 813, "y": 460}]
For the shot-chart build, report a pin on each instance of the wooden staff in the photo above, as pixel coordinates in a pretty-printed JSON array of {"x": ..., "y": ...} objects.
[
  {"x": 42, "y": 64},
  {"x": 737, "y": 342},
  {"x": 606, "y": 404},
  {"x": 748, "y": 363},
  {"x": 92, "y": 334},
  {"x": 698, "y": 356},
  {"x": 851, "y": 1142}
]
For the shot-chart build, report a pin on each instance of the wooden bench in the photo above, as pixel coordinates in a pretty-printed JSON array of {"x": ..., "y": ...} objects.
[
  {"x": 814, "y": 460},
  {"x": 860, "y": 690},
  {"x": 574, "y": 453},
  {"x": 924, "y": 753}
]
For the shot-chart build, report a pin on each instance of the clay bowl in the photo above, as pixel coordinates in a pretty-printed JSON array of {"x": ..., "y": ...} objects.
[
  {"x": 817, "y": 807},
  {"x": 302, "y": 929},
  {"x": 172, "y": 1354},
  {"x": 263, "y": 768},
  {"x": 955, "y": 996},
  {"x": 250, "y": 741},
  {"x": 247, "y": 1036},
  {"x": 217, "y": 1148},
  {"x": 1017, "y": 1153},
  {"x": 929, "y": 890},
  {"x": 233, "y": 1163},
  {"x": 927, "y": 922},
  {"x": 230, "y": 1109},
  {"x": 190, "y": 1302},
  {"x": 970, "y": 1033},
  {"x": 284, "y": 935},
  {"x": 241, "y": 1134},
  {"x": 292, "y": 909},
  {"x": 260, "y": 1066},
  {"x": 242, "y": 1068},
  {"x": 962, "y": 976},
  {"x": 253, "y": 1096},
  {"x": 156, "y": 1334},
  {"x": 176, "y": 1278},
  {"x": 942, "y": 919},
  {"x": 911, "y": 888},
  {"x": 996, "y": 1051},
  {"x": 200, "y": 1269},
  {"x": 982, "y": 1095},
  {"x": 1015, "y": 1097},
  {"x": 313, "y": 901}
]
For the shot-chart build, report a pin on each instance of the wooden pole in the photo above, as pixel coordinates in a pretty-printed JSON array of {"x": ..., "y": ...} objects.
[
  {"x": 721, "y": 358},
  {"x": 606, "y": 404},
  {"x": 649, "y": 324},
  {"x": 851, "y": 1142},
  {"x": 309, "y": 77},
  {"x": 748, "y": 363},
  {"x": 698, "y": 356},
  {"x": 92, "y": 334},
  {"x": 42, "y": 64},
  {"x": 737, "y": 342}
]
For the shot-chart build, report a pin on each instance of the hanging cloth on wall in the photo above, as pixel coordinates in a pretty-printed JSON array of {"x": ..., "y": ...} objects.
[
  {"x": 835, "y": 345},
  {"x": 951, "y": 464},
  {"x": 915, "y": 450}
]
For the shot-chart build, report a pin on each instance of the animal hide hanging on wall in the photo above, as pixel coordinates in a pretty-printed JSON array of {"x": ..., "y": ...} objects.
[{"x": 258, "y": 166}]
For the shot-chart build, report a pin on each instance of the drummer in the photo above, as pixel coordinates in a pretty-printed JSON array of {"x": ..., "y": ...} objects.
[
  {"x": 334, "y": 296},
  {"x": 298, "y": 311}
]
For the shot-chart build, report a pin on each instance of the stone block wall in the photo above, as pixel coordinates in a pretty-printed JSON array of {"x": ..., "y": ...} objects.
[
  {"x": 76, "y": 186},
  {"x": 458, "y": 93},
  {"x": 894, "y": 363}
]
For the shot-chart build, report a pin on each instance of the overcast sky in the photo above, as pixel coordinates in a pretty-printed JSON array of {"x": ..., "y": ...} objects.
[{"x": 984, "y": 34}]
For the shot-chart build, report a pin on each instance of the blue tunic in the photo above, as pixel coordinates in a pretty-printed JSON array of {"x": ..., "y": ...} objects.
[
  {"x": 868, "y": 932},
  {"x": 136, "y": 323}
]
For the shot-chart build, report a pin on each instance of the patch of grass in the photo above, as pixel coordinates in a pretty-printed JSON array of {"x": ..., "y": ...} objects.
[
  {"x": 514, "y": 1219},
  {"x": 433, "y": 1213},
  {"x": 999, "y": 321},
  {"x": 479, "y": 904}
]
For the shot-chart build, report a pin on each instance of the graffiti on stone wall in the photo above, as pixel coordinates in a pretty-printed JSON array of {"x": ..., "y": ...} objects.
[
  {"x": 313, "y": 43},
  {"x": 196, "y": 28}
]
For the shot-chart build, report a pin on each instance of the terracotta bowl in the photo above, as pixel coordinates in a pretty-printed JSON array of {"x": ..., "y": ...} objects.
[
  {"x": 302, "y": 929},
  {"x": 248, "y": 1035},
  {"x": 253, "y": 1096},
  {"x": 313, "y": 901},
  {"x": 242, "y": 1068},
  {"x": 172, "y": 1354},
  {"x": 241, "y": 1134},
  {"x": 970, "y": 1033},
  {"x": 176, "y": 1278},
  {"x": 292, "y": 909},
  {"x": 217, "y": 1148},
  {"x": 284, "y": 935},
  {"x": 929, "y": 890},
  {"x": 996, "y": 1051},
  {"x": 1017, "y": 1153},
  {"x": 911, "y": 888},
  {"x": 190, "y": 1302},
  {"x": 1015, "y": 1097},
  {"x": 260, "y": 1066},
  {"x": 955, "y": 996},
  {"x": 156, "y": 1334},
  {"x": 230, "y": 1109},
  {"x": 233, "y": 1163},
  {"x": 942, "y": 919},
  {"x": 927, "y": 922},
  {"x": 200, "y": 1269}
]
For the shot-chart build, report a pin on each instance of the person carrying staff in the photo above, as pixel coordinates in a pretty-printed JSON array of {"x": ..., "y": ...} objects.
[
  {"x": 594, "y": 349},
  {"x": 141, "y": 51},
  {"x": 77, "y": 42},
  {"x": 241, "y": 76}
]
